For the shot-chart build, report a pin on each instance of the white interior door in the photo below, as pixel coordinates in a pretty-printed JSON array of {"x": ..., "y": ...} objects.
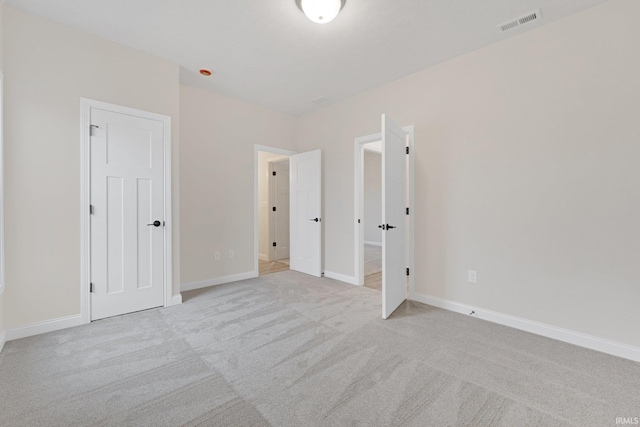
[
  {"x": 305, "y": 212},
  {"x": 394, "y": 203},
  {"x": 127, "y": 194},
  {"x": 279, "y": 195}
]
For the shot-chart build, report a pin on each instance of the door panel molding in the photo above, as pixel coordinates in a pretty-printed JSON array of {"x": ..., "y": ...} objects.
[{"x": 86, "y": 105}]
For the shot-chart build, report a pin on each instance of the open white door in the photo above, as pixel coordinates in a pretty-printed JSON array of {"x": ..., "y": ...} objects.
[
  {"x": 305, "y": 212},
  {"x": 394, "y": 204}
]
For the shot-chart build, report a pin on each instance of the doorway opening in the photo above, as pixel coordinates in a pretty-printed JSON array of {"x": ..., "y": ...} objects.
[
  {"x": 304, "y": 246},
  {"x": 392, "y": 269},
  {"x": 372, "y": 214},
  {"x": 272, "y": 210},
  {"x": 273, "y": 213},
  {"x": 126, "y": 211}
]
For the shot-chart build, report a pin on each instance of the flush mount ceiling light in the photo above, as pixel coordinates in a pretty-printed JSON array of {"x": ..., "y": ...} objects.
[
  {"x": 205, "y": 72},
  {"x": 321, "y": 11}
]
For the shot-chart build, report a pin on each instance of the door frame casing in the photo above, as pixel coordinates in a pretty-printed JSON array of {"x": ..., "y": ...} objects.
[
  {"x": 256, "y": 230},
  {"x": 358, "y": 203},
  {"x": 85, "y": 199}
]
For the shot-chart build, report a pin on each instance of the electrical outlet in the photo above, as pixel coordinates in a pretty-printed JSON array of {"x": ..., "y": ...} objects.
[
  {"x": 232, "y": 253},
  {"x": 472, "y": 276},
  {"x": 216, "y": 255}
]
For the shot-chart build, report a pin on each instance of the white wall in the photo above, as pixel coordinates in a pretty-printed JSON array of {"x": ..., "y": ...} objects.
[
  {"x": 217, "y": 140},
  {"x": 372, "y": 186},
  {"x": 527, "y": 155},
  {"x": 48, "y": 68},
  {"x": 526, "y": 168},
  {"x": 2, "y": 168},
  {"x": 264, "y": 245}
]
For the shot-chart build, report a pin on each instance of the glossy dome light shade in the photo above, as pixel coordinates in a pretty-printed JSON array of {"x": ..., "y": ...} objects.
[{"x": 321, "y": 11}]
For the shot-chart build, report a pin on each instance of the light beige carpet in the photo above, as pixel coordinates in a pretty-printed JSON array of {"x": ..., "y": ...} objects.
[{"x": 291, "y": 350}]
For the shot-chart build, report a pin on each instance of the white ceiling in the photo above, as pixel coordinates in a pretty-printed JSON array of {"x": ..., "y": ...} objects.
[{"x": 267, "y": 52}]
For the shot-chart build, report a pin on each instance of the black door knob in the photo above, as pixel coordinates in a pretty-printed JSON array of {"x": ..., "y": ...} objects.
[
  {"x": 382, "y": 226},
  {"x": 155, "y": 224},
  {"x": 389, "y": 227},
  {"x": 315, "y": 219}
]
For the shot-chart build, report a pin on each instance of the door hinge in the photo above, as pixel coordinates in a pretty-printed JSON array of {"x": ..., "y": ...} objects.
[
  {"x": 274, "y": 173},
  {"x": 274, "y": 244},
  {"x": 407, "y": 150},
  {"x": 407, "y": 211},
  {"x": 91, "y": 128},
  {"x": 90, "y": 209},
  {"x": 274, "y": 208},
  {"x": 407, "y": 271},
  {"x": 90, "y": 287}
]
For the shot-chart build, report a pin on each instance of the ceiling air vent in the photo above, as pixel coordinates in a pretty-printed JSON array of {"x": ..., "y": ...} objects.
[{"x": 524, "y": 19}]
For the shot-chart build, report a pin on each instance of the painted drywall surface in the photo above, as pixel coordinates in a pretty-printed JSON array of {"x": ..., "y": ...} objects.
[
  {"x": 2, "y": 328},
  {"x": 48, "y": 68},
  {"x": 1, "y": 35},
  {"x": 372, "y": 186},
  {"x": 264, "y": 248},
  {"x": 1, "y": 168},
  {"x": 527, "y": 171},
  {"x": 217, "y": 139}
]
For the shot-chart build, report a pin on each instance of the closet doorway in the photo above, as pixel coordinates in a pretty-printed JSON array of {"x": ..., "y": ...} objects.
[
  {"x": 396, "y": 221},
  {"x": 273, "y": 212},
  {"x": 372, "y": 214}
]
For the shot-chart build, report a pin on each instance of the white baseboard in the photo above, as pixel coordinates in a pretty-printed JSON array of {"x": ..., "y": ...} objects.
[
  {"x": 373, "y": 243},
  {"x": 263, "y": 257},
  {"x": 577, "y": 338},
  {"x": 53, "y": 325},
  {"x": 217, "y": 281},
  {"x": 44, "y": 327},
  {"x": 3, "y": 339},
  {"x": 341, "y": 277}
]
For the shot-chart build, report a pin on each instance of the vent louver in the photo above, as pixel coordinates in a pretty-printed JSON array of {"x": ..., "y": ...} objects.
[{"x": 522, "y": 20}]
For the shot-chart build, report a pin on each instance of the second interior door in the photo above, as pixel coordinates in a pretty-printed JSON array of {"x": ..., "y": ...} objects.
[
  {"x": 306, "y": 212},
  {"x": 394, "y": 219}
]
